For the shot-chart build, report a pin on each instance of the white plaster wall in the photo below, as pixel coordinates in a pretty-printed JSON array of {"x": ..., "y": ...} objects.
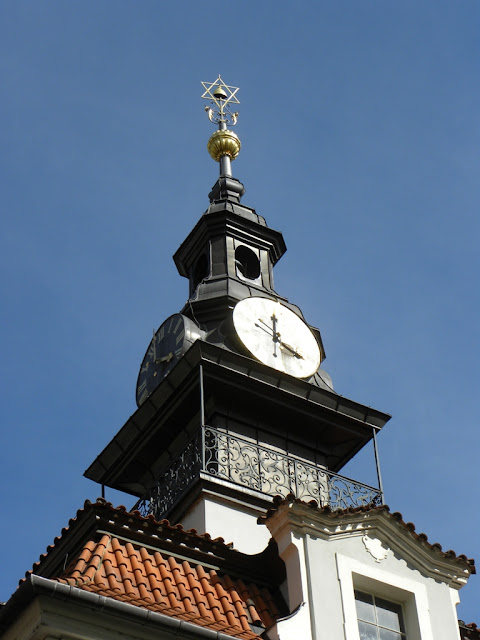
[
  {"x": 49, "y": 618},
  {"x": 336, "y": 566},
  {"x": 296, "y": 592},
  {"x": 233, "y": 522},
  {"x": 194, "y": 518},
  {"x": 327, "y": 559}
]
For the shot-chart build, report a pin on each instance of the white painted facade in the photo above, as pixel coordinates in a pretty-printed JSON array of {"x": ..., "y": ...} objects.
[
  {"x": 230, "y": 519},
  {"x": 327, "y": 556}
]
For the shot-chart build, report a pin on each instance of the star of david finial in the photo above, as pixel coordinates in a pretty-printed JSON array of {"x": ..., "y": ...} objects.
[{"x": 220, "y": 95}]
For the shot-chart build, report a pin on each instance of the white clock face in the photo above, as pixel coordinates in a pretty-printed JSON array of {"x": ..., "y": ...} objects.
[{"x": 276, "y": 336}]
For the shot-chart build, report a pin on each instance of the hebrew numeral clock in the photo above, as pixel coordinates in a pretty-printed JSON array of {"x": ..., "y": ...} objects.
[{"x": 172, "y": 340}]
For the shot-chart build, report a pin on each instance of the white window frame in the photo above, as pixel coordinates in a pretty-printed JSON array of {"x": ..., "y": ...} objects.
[
  {"x": 412, "y": 595},
  {"x": 376, "y": 604}
]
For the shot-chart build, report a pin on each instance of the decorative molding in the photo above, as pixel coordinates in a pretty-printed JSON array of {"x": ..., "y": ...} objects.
[
  {"x": 375, "y": 548},
  {"x": 301, "y": 519}
]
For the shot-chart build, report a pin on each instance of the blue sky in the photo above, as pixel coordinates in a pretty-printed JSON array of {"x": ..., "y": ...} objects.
[{"x": 360, "y": 132}]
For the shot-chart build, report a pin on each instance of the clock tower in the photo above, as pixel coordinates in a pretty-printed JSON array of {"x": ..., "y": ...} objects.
[
  {"x": 233, "y": 405},
  {"x": 238, "y": 436}
]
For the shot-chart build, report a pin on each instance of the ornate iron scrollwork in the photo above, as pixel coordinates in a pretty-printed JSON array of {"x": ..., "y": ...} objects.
[
  {"x": 257, "y": 467},
  {"x": 183, "y": 470}
]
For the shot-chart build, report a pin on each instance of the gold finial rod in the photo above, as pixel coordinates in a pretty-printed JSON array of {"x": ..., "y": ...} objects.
[{"x": 224, "y": 145}]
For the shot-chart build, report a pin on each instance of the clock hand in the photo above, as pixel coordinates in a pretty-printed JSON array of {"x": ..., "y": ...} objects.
[
  {"x": 271, "y": 332},
  {"x": 291, "y": 349},
  {"x": 267, "y": 330},
  {"x": 276, "y": 335},
  {"x": 166, "y": 358}
]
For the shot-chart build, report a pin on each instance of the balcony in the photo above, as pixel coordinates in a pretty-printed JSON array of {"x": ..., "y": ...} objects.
[{"x": 224, "y": 456}]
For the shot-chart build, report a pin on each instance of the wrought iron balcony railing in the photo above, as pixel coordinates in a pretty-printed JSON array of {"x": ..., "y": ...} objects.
[{"x": 229, "y": 457}]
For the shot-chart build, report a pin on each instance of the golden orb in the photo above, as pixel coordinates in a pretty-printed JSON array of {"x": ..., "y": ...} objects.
[{"x": 224, "y": 143}]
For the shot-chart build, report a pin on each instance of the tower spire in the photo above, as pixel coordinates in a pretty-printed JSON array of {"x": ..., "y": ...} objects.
[{"x": 224, "y": 145}]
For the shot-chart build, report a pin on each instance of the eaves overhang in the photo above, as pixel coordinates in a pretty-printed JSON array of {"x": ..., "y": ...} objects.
[
  {"x": 101, "y": 517},
  {"x": 93, "y": 605},
  {"x": 155, "y": 556},
  {"x": 344, "y": 426}
]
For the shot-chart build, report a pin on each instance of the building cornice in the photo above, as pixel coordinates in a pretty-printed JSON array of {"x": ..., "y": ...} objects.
[{"x": 301, "y": 519}]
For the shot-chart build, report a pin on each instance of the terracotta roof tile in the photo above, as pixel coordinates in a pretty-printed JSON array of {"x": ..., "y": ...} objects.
[
  {"x": 166, "y": 581},
  {"x": 111, "y": 575},
  {"x": 117, "y": 569},
  {"x": 109, "y": 559},
  {"x": 238, "y": 603},
  {"x": 468, "y": 631}
]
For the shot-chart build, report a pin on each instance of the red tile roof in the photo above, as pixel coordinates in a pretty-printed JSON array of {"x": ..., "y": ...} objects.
[
  {"x": 182, "y": 574},
  {"x": 165, "y": 569},
  {"x": 115, "y": 568},
  {"x": 469, "y": 631}
]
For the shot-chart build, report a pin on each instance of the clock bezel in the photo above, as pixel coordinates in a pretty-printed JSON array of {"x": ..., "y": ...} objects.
[{"x": 286, "y": 344}]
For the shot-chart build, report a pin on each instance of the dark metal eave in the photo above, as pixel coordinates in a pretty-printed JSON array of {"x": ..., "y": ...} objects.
[
  {"x": 109, "y": 464},
  {"x": 290, "y": 388},
  {"x": 159, "y": 418},
  {"x": 300, "y": 397}
]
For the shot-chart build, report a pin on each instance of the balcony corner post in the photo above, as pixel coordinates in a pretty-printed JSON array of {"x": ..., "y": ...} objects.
[
  {"x": 377, "y": 464},
  {"x": 202, "y": 418}
]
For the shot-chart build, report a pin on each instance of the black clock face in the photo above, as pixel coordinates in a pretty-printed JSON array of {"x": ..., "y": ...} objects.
[{"x": 169, "y": 343}]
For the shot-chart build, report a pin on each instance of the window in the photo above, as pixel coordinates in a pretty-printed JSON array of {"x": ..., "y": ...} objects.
[
  {"x": 199, "y": 272},
  {"x": 247, "y": 262},
  {"x": 408, "y": 597},
  {"x": 378, "y": 619}
]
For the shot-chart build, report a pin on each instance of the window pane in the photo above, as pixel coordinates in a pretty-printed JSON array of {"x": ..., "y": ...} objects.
[
  {"x": 365, "y": 608},
  {"x": 389, "y": 615},
  {"x": 390, "y": 635},
  {"x": 367, "y": 631}
]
